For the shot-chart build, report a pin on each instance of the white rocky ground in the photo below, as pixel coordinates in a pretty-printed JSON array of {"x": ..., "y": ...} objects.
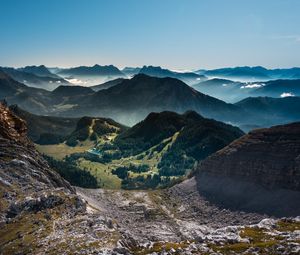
[{"x": 180, "y": 221}]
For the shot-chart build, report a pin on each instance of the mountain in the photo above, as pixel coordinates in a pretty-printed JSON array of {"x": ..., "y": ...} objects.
[
  {"x": 95, "y": 70},
  {"x": 40, "y": 101},
  {"x": 226, "y": 90},
  {"x": 287, "y": 73},
  {"x": 240, "y": 73},
  {"x": 158, "y": 126},
  {"x": 271, "y": 111},
  {"x": 131, "y": 71},
  {"x": 157, "y": 71},
  {"x": 91, "y": 75},
  {"x": 71, "y": 91},
  {"x": 231, "y": 91},
  {"x": 14, "y": 92},
  {"x": 93, "y": 129},
  {"x": 33, "y": 80},
  {"x": 257, "y": 73},
  {"x": 258, "y": 172},
  {"x": 41, "y": 71},
  {"x": 45, "y": 129},
  {"x": 107, "y": 84},
  {"x": 176, "y": 141},
  {"x": 278, "y": 88},
  {"x": 243, "y": 73},
  {"x": 132, "y": 100},
  {"x": 8, "y": 86}
]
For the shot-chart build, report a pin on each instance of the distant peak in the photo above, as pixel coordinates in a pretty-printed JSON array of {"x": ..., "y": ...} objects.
[{"x": 152, "y": 67}]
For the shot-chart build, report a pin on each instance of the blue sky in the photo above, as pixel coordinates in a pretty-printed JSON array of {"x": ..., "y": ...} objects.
[{"x": 177, "y": 34}]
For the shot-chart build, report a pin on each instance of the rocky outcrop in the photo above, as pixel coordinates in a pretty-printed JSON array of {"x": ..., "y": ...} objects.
[
  {"x": 23, "y": 172},
  {"x": 12, "y": 127},
  {"x": 21, "y": 165},
  {"x": 260, "y": 172}
]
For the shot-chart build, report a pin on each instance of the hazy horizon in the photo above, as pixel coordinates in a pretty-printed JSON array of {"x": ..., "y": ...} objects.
[{"x": 163, "y": 67}]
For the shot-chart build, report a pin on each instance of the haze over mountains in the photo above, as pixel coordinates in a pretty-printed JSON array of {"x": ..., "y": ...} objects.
[
  {"x": 249, "y": 78},
  {"x": 130, "y": 100},
  {"x": 257, "y": 73}
]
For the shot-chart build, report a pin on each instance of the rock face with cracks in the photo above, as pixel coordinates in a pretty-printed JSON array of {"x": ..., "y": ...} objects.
[{"x": 257, "y": 172}]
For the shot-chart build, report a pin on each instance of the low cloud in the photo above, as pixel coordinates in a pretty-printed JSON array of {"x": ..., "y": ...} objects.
[
  {"x": 253, "y": 86},
  {"x": 287, "y": 94},
  {"x": 76, "y": 81}
]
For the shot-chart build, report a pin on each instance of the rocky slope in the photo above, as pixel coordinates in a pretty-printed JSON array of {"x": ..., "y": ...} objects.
[
  {"x": 258, "y": 172},
  {"x": 29, "y": 190}
]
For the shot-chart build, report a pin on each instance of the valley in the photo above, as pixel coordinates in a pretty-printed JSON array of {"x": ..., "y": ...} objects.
[{"x": 135, "y": 158}]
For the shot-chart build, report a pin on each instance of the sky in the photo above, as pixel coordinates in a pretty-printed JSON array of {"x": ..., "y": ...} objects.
[{"x": 175, "y": 34}]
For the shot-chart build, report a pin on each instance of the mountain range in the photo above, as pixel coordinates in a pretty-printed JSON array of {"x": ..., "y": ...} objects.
[
  {"x": 35, "y": 77},
  {"x": 132, "y": 100},
  {"x": 233, "y": 91},
  {"x": 41, "y": 71},
  {"x": 256, "y": 73},
  {"x": 95, "y": 70}
]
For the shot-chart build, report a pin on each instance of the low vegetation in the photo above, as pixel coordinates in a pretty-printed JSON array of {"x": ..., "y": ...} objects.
[
  {"x": 156, "y": 152},
  {"x": 73, "y": 174}
]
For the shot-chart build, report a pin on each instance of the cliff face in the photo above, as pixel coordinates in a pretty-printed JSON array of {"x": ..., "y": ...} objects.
[
  {"x": 21, "y": 165},
  {"x": 260, "y": 171},
  {"x": 12, "y": 127}
]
